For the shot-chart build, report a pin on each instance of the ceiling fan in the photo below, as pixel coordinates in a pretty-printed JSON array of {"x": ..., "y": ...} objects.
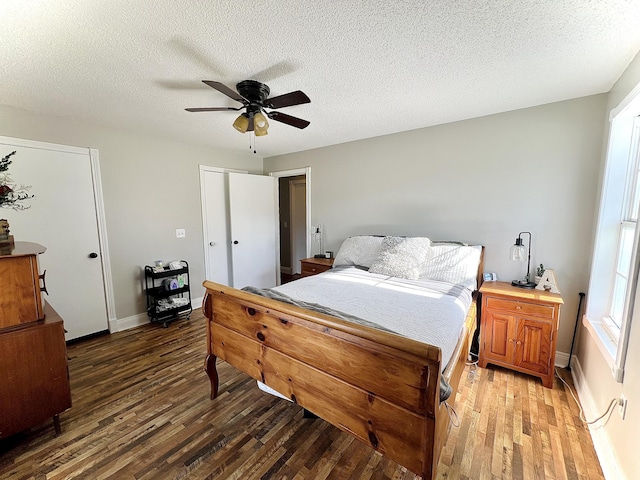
[{"x": 254, "y": 97}]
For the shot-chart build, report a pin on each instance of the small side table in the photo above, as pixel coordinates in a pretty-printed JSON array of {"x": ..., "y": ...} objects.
[
  {"x": 313, "y": 266},
  {"x": 519, "y": 329}
]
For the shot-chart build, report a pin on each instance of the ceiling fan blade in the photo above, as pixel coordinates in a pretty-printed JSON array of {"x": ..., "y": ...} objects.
[
  {"x": 212, "y": 109},
  {"x": 288, "y": 119},
  {"x": 287, "y": 100},
  {"x": 222, "y": 88},
  {"x": 280, "y": 69}
]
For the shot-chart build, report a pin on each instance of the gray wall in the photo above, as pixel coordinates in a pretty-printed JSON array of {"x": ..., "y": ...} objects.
[
  {"x": 151, "y": 187},
  {"x": 480, "y": 181}
]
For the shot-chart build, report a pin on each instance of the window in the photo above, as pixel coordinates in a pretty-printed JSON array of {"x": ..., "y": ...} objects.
[
  {"x": 627, "y": 232},
  {"x": 615, "y": 263}
]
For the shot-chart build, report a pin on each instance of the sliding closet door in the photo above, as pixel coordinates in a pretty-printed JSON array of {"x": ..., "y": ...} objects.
[
  {"x": 63, "y": 218},
  {"x": 253, "y": 216}
]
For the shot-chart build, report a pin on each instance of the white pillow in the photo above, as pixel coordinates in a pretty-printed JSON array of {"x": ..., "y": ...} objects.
[
  {"x": 453, "y": 263},
  {"x": 361, "y": 250},
  {"x": 402, "y": 257}
]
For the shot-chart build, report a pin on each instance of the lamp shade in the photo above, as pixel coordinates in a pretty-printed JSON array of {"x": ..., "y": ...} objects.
[
  {"x": 518, "y": 252},
  {"x": 260, "y": 124},
  {"x": 242, "y": 123}
]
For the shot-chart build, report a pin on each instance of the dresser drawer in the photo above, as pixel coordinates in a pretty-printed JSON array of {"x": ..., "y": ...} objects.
[
  {"x": 313, "y": 266},
  {"x": 310, "y": 269},
  {"x": 520, "y": 308}
]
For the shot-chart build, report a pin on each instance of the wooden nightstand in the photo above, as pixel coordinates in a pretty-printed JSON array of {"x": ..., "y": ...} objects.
[
  {"x": 313, "y": 266},
  {"x": 519, "y": 329}
]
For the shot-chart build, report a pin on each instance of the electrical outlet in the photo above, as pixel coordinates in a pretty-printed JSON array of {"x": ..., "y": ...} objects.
[
  {"x": 622, "y": 406},
  {"x": 180, "y": 233}
]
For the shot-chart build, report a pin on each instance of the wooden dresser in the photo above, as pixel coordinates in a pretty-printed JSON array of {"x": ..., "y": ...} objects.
[
  {"x": 34, "y": 377},
  {"x": 519, "y": 329}
]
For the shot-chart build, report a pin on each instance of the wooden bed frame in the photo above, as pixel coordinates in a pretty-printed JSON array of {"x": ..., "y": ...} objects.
[{"x": 389, "y": 383}]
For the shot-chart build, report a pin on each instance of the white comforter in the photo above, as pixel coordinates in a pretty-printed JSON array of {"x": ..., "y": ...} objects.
[{"x": 425, "y": 310}]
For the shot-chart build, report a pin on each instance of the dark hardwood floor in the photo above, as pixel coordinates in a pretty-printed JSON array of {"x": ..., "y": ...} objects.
[
  {"x": 141, "y": 410},
  {"x": 287, "y": 277}
]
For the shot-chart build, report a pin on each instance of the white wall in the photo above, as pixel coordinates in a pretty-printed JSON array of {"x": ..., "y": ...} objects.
[
  {"x": 615, "y": 441},
  {"x": 481, "y": 181},
  {"x": 151, "y": 187}
]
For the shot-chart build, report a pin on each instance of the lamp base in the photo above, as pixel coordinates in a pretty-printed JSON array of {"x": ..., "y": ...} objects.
[{"x": 523, "y": 284}]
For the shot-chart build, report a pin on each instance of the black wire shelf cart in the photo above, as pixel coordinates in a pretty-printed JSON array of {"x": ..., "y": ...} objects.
[{"x": 168, "y": 292}]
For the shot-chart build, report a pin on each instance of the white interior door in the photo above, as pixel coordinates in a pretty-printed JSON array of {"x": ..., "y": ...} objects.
[
  {"x": 216, "y": 225},
  {"x": 254, "y": 218},
  {"x": 63, "y": 218},
  {"x": 298, "y": 196}
]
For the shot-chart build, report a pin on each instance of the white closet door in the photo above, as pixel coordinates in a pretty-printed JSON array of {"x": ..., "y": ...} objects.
[
  {"x": 253, "y": 216},
  {"x": 216, "y": 226},
  {"x": 62, "y": 218}
]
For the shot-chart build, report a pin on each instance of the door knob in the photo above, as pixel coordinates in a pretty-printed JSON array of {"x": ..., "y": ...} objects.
[
  {"x": 235, "y": 242},
  {"x": 212, "y": 244},
  {"x": 93, "y": 255}
]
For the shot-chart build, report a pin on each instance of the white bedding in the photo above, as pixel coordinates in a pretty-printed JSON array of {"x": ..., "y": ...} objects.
[{"x": 425, "y": 310}]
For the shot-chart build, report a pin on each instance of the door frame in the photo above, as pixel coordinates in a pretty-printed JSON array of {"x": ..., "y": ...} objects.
[
  {"x": 294, "y": 224},
  {"x": 203, "y": 209},
  {"x": 94, "y": 162},
  {"x": 306, "y": 171}
]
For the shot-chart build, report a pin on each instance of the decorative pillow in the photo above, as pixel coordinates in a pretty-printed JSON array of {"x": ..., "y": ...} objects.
[
  {"x": 361, "y": 250},
  {"x": 453, "y": 263},
  {"x": 402, "y": 257}
]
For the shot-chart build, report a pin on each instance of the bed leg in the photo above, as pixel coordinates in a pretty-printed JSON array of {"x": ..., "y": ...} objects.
[{"x": 212, "y": 373}]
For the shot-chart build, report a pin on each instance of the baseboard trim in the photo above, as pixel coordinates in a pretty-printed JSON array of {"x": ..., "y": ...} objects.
[
  {"x": 601, "y": 442},
  {"x": 131, "y": 322},
  {"x": 140, "y": 319},
  {"x": 562, "y": 359}
]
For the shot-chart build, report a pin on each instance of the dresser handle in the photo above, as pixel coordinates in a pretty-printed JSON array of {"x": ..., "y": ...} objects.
[
  {"x": 518, "y": 307},
  {"x": 518, "y": 342},
  {"x": 43, "y": 288}
]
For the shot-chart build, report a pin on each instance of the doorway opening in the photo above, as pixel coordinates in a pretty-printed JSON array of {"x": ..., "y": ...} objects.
[{"x": 294, "y": 207}]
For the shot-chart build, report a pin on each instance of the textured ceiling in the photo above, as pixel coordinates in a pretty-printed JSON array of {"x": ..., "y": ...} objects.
[{"x": 370, "y": 67}]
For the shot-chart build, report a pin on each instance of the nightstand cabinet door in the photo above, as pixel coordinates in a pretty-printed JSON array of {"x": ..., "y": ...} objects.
[
  {"x": 533, "y": 345},
  {"x": 499, "y": 343}
]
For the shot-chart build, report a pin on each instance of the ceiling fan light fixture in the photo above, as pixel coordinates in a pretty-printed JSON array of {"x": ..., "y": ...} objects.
[
  {"x": 260, "y": 124},
  {"x": 242, "y": 123}
]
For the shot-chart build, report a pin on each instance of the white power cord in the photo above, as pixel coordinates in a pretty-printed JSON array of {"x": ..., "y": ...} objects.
[
  {"x": 582, "y": 418},
  {"x": 453, "y": 415}
]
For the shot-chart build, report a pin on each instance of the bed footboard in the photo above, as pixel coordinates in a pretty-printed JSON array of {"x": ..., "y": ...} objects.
[{"x": 380, "y": 387}]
